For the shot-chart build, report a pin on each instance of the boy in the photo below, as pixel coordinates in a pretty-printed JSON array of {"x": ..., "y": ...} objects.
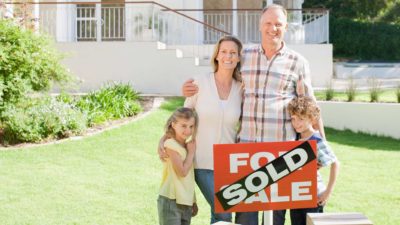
[{"x": 304, "y": 113}]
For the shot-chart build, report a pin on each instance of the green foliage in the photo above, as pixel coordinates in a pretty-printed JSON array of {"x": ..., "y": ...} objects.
[
  {"x": 387, "y": 96},
  {"x": 173, "y": 103},
  {"x": 398, "y": 93},
  {"x": 351, "y": 90},
  {"x": 40, "y": 119},
  {"x": 113, "y": 101},
  {"x": 350, "y": 8},
  {"x": 391, "y": 14},
  {"x": 329, "y": 92},
  {"x": 374, "y": 89},
  {"x": 28, "y": 62},
  {"x": 364, "y": 40}
]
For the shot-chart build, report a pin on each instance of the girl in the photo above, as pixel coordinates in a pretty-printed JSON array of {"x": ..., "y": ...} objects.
[
  {"x": 176, "y": 201},
  {"x": 218, "y": 105}
]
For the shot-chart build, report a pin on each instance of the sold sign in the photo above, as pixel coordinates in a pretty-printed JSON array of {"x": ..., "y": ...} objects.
[{"x": 265, "y": 176}]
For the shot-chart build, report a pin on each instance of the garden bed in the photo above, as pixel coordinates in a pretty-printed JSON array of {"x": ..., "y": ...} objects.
[{"x": 145, "y": 102}]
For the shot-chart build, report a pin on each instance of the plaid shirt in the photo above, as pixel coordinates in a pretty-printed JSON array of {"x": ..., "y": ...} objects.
[{"x": 269, "y": 85}]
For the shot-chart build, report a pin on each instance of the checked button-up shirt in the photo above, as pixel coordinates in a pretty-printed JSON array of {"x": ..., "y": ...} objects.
[{"x": 269, "y": 85}]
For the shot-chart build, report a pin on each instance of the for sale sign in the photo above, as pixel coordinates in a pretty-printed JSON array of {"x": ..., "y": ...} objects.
[{"x": 265, "y": 176}]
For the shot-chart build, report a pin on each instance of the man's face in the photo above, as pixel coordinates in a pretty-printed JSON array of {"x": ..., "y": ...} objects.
[{"x": 273, "y": 25}]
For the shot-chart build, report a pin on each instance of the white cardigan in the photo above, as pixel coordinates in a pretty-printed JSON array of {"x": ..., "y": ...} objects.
[{"x": 218, "y": 119}]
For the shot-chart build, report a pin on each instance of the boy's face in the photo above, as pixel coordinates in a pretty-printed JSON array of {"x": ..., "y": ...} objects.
[{"x": 301, "y": 123}]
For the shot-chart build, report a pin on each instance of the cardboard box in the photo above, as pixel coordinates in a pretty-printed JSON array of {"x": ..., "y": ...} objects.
[{"x": 337, "y": 219}]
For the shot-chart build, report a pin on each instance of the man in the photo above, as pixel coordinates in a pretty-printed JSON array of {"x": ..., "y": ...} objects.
[{"x": 272, "y": 76}]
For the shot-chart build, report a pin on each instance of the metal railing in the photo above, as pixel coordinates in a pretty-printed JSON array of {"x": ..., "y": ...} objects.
[
  {"x": 150, "y": 21},
  {"x": 306, "y": 26},
  {"x": 189, "y": 29}
]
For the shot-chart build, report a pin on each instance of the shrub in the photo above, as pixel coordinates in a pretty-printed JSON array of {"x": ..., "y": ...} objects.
[
  {"x": 40, "y": 119},
  {"x": 398, "y": 93},
  {"x": 28, "y": 62},
  {"x": 351, "y": 90},
  {"x": 329, "y": 91},
  {"x": 358, "y": 39},
  {"x": 374, "y": 89},
  {"x": 113, "y": 101}
]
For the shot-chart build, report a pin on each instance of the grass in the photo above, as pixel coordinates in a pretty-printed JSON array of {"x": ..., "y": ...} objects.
[
  {"x": 113, "y": 178},
  {"x": 387, "y": 95}
]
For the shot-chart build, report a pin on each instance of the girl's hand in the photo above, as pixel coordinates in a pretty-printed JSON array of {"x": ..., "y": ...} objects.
[
  {"x": 191, "y": 146},
  {"x": 195, "y": 209}
]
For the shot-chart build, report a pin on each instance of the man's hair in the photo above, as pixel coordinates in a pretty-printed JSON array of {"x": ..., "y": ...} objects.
[
  {"x": 304, "y": 106},
  {"x": 275, "y": 6}
]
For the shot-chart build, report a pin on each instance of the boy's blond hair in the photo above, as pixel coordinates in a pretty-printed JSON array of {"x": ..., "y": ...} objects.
[{"x": 304, "y": 106}]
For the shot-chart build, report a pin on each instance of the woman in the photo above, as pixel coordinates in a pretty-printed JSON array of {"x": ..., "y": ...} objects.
[{"x": 218, "y": 105}]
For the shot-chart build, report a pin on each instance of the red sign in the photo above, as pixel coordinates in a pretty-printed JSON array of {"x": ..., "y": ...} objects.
[{"x": 265, "y": 176}]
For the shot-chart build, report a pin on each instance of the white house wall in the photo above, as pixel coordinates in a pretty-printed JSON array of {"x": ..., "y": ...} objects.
[
  {"x": 154, "y": 71},
  {"x": 140, "y": 63}
]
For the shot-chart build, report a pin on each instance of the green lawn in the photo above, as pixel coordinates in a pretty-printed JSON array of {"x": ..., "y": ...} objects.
[
  {"x": 387, "y": 95},
  {"x": 113, "y": 178}
]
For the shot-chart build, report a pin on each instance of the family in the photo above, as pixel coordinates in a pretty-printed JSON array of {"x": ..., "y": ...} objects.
[{"x": 262, "y": 93}]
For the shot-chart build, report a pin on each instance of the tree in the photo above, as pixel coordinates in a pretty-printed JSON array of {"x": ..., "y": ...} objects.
[
  {"x": 28, "y": 62},
  {"x": 353, "y": 9}
]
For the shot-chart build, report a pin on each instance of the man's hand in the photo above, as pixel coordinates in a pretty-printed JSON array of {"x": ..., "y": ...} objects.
[
  {"x": 161, "y": 150},
  {"x": 195, "y": 209},
  {"x": 189, "y": 88}
]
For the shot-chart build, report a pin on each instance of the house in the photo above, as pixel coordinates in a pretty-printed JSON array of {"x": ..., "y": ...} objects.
[{"x": 156, "y": 45}]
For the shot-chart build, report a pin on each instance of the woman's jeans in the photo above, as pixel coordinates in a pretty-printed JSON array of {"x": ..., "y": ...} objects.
[{"x": 205, "y": 180}]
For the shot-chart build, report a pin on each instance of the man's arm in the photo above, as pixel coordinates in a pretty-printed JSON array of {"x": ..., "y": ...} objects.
[
  {"x": 320, "y": 127},
  {"x": 189, "y": 88}
]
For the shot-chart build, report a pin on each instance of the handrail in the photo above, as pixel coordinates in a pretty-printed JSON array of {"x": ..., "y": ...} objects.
[
  {"x": 128, "y": 2},
  {"x": 245, "y": 9}
]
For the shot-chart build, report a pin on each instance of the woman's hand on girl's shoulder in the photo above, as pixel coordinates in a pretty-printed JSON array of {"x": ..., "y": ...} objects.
[{"x": 162, "y": 154}]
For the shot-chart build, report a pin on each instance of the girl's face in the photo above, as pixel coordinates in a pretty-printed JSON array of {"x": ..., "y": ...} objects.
[
  {"x": 228, "y": 55},
  {"x": 183, "y": 129}
]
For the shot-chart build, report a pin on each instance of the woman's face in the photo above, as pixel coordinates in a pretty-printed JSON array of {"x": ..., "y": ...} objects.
[{"x": 228, "y": 55}]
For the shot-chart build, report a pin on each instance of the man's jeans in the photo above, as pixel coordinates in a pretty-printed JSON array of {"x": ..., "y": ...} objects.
[
  {"x": 205, "y": 180},
  {"x": 247, "y": 218}
]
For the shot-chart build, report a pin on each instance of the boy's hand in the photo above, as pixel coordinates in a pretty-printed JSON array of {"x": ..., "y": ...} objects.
[
  {"x": 162, "y": 154},
  {"x": 195, "y": 209},
  {"x": 189, "y": 88},
  {"x": 323, "y": 199}
]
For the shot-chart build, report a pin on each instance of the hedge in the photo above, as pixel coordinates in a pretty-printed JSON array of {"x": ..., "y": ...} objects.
[{"x": 365, "y": 40}]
